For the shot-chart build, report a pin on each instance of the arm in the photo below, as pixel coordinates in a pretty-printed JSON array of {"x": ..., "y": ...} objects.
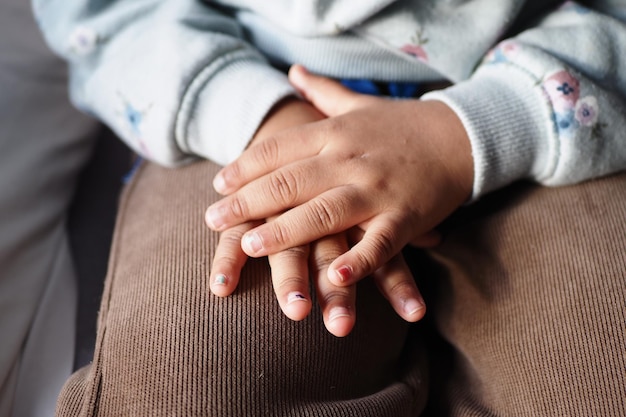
[
  {"x": 550, "y": 103},
  {"x": 391, "y": 169},
  {"x": 150, "y": 68},
  {"x": 542, "y": 106}
]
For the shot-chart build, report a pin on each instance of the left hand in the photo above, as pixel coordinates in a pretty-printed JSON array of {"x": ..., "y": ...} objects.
[
  {"x": 291, "y": 269},
  {"x": 393, "y": 168}
]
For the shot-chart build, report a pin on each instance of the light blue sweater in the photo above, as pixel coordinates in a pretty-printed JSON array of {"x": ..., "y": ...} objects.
[{"x": 539, "y": 85}]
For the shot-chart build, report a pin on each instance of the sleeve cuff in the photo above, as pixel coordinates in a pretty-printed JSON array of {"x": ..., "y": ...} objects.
[
  {"x": 221, "y": 114},
  {"x": 507, "y": 118}
]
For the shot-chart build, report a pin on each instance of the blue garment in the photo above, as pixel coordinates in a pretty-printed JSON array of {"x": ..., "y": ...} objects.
[{"x": 397, "y": 89}]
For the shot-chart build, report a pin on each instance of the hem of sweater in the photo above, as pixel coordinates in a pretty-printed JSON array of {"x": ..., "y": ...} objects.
[
  {"x": 224, "y": 107},
  {"x": 508, "y": 122}
]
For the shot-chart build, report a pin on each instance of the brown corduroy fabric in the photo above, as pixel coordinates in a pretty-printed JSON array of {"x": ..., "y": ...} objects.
[
  {"x": 528, "y": 292},
  {"x": 531, "y": 295},
  {"x": 167, "y": 347}
]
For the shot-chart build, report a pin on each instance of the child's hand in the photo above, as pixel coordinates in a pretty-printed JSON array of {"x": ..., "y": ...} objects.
[
  {"x": 290, "y": 278},
  {"x": 290, "y": 268},
  {"x": 393, "y": 168}
]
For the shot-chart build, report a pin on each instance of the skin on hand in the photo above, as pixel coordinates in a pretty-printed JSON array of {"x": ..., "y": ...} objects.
[
  {"x": 395, "y": 169},
  {"x": 292, "y": 267}
]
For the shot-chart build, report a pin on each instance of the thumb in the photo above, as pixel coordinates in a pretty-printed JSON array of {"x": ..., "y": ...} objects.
[{"x": 327, "y": 95}]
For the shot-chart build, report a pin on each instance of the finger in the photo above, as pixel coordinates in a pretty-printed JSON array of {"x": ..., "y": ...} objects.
[
  {"x": 331, "y": 212},
  {"x": 384, "y": 238},
  {"x": 396, "y": 283},
  {"x": 228, "y": 261},
  {"x": 273, "y": 193},
  {"x": 290, "y": 278},
  {"x": 427, "y": 240},
  {"x": 270, "y": 154},
  {"x": 327, "y": 95},
  {"x": 337, "y": 303}
]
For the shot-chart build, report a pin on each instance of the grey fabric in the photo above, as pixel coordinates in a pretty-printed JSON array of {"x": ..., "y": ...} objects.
[{"x": 43, "y": 145}]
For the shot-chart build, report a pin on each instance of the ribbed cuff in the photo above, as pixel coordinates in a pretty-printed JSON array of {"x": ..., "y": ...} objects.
[
  {"x": 508, "y": 121},
  {"x": 220, "y": 121}
]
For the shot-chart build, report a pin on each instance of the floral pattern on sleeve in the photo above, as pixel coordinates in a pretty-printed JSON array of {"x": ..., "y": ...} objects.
[
  {"x": 415, "y": 48},
  {"x": 133, "y": 120},
  {"x": 503, "y": 52},
  {"x": 571, "y": 112}
]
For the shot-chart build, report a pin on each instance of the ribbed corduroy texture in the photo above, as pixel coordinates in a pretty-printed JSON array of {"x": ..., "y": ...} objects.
[
  {"x": 532, "y": 295},
  {"x": 167, "y": 347}
]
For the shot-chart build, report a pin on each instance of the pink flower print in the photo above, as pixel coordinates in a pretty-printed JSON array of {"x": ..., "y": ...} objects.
[
  {"x": 415, "y": 47},
  {"x": 415, "y": 51},
  {"x": 502, "y": 52},
  {"x": 562, "y": 88},
  {"x": 508, "y": 48},
  {"x": 587, "y": 111},
  {"x": 134, "y": 119}
]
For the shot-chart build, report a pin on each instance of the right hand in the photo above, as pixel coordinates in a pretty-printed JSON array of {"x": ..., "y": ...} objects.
[{"x": 290, "y": 268}]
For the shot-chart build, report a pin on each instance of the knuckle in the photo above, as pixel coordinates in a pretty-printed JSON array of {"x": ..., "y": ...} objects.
[
  {"x": 384, "y": 245},
  {"x": 267, "y": 152},
  {"x": 287, "y": 283},
  {"x": 226, "y": 260},
  {"x": 238, "y": 207},
  {"x": 228, "y": 247},
  {"x": 283, "y": 187},
  {"x": 280, "y": 234},
  {"x": 401, "y": 289},
  {"x": 233, "y": 172},
  {"x": 366, "y": 262},
  {"x": 296, "y": 253},
  {"x": 333, "y": 297},
  {"x": 325, "y": 213},
  {"x": 322, "y": 260},
  {"x": 324, "y": 254},
  {"x": 378, "y": 249},
  {"x": 231, "y": 238}
]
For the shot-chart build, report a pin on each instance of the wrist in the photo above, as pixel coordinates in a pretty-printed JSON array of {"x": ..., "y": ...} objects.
[
  {"x": 287, "y": 113},
  {"x": 455, "y": 150}
]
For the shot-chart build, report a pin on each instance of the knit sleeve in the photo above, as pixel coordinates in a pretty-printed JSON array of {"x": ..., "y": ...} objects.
[
  {"x": 550, "y": 103},
  {"x": 175, "y": 79}
]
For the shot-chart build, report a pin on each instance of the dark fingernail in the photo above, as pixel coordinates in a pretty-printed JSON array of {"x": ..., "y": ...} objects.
[
  {"x": 295, "y": 297},
  {"x": 220, "y": 279}
]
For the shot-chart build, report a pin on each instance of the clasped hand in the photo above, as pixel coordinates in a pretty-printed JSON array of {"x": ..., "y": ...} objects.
[{"x": 373, "y": 176}]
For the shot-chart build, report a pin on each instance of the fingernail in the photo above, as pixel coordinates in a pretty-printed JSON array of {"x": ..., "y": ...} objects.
[
  {"x": 219, "y": 184},
  {"x": 337, "y": 313},
  {"x": 295, "y": 297},
  {"x": 214, "y": 218},
  {"x": 252, "y": 241},
  {"x": 344, "y": 273},
  {"x": 220, "y": 279},
  {"x": 412, "y": 306}
]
